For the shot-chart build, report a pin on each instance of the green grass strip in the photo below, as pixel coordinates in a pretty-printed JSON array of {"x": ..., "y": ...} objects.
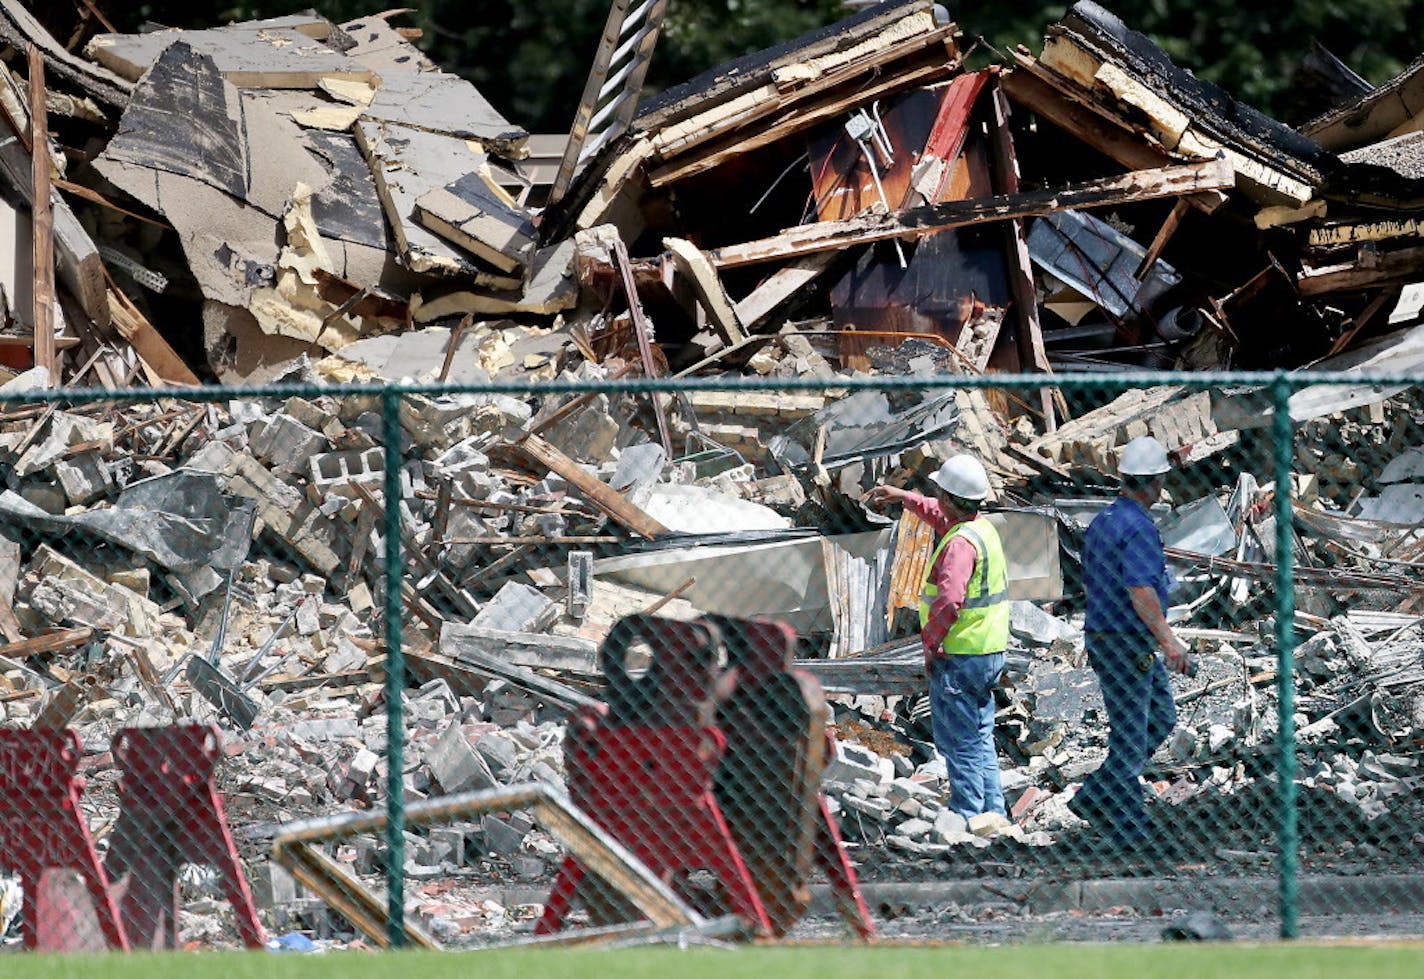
[{"x": 1378, "y": 961}]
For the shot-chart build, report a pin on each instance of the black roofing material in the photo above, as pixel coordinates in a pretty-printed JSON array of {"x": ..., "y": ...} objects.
[
  {"x": 731, "y": 71},
  {"x": 1210, "y": 105}
]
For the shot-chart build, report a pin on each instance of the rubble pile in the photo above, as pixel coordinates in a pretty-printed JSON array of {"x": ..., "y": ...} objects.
[{"x": 296, "y": 200}]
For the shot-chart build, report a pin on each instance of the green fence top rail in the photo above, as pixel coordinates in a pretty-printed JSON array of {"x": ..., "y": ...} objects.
[{"x": 1193, "y": 380}]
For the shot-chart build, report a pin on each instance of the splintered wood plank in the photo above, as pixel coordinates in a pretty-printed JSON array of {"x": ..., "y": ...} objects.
[
  {"x": 916, "y": 222},
  {"x": 781, "y": 286},
  {"x": 162, "y": 363},
  {"x": 408, "y": 164},
  {"x": 951, "y": 128},
  {"x": 481, "y": 219},
  {"x": 597, "y": 492},
  {"x": 42, "y": 223},
  {"x": 693, "y": 265},
  {"x": 52, "y": 642}
]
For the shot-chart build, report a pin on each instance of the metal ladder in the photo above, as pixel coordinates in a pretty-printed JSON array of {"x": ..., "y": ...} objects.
[{"x": 610, "y": 97}]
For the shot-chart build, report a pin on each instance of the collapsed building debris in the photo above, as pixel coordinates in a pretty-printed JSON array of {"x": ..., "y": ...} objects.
[
  {"x": 389, "y": 197},
  {"x": 853, "y": 203}
]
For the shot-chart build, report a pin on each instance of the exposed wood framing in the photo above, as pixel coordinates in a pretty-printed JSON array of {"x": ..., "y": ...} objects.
[
  {"x": 830, "y": 235},
  {"x": 1123, "y": 95},
  {"x": 738, "y": 142},
  {"x": 1086, "y": 121}
]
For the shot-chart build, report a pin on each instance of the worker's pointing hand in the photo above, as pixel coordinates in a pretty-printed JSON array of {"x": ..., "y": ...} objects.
[{"x": 880, "y": 495}]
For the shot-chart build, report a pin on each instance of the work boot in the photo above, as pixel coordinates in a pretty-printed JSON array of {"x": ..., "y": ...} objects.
[{"x": 1087, "y": 810}]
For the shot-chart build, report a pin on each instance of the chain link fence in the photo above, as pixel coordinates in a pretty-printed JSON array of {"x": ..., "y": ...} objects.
[{"x": 463, "y": 667}]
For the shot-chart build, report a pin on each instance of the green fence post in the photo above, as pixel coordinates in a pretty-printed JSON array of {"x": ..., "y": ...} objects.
[
  {"x": 1288, "y": 835},
  {"x": 395, "y": 673}
]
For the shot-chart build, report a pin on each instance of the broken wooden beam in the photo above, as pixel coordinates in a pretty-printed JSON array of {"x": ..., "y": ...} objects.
[
  {"x": 43, "y": 223},
  {"x": 51, "y": 642},
  {"x": 1384, "y": 269},
  {"x": 1020, "y": 266},
  {"x": 640, "y": 329},
  {"x": 20, "y": 29},
  {"x": 597, "y": 492},
  {"x": 780, "y": 287},
  {"x": 1164, "y": 235},
  {"x": 160, "y": 361},
  {"x": 1142, "y": 185},
  {"x": 693, "y": 265}
]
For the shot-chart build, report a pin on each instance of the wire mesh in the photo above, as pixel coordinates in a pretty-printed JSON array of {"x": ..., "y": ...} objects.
[{"x": 461, "y": 667}]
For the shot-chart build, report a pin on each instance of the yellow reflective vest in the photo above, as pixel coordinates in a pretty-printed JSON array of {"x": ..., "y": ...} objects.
[{"x": 983, "y": 623}]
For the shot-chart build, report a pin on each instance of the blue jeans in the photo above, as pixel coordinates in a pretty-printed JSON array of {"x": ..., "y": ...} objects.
[
  {"x": 962, "y": 713},
  {"x": 1141, "y": 714}
]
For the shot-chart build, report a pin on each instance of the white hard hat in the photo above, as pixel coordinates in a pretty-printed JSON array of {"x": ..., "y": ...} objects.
[
  {"x": 1143, "y": 456},
  {"x": 963, "y": 476}
]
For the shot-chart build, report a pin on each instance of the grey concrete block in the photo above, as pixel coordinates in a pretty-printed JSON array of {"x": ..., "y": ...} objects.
[{"x": 456, "y": 765}]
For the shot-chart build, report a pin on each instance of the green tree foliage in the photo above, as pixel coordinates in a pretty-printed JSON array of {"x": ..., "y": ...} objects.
[{"x": 530, "y": 57}]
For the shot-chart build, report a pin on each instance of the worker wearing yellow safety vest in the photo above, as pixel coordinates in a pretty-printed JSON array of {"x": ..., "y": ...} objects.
[{"x": 964, "y": 628}]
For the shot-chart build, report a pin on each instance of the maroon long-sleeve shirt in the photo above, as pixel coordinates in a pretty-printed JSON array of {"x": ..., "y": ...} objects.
[{"x": 950, "y": 574}]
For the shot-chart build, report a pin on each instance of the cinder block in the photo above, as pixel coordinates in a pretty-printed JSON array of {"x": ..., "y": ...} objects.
[
  {"x": 337, "y": 472},
  {"x": 851, "y": 761}
]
